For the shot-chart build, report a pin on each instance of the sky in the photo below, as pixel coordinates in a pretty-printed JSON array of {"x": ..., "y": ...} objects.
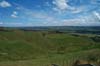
[{"x": 21, "y": 13}]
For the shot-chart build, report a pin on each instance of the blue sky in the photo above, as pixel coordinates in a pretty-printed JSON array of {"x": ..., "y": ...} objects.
[{"x": 49, "y": 13}]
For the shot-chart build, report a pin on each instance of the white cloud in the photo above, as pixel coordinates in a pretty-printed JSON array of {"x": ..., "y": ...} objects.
[
  {"x": 78, "y": 10},
  {"x": 5, "y": 4},
  {"x": 61, "y": 4},
  {"x": 47, "y": 20},
  {"x": 96, "y": 14},
  {"x": 81, "y": 21},
  {"x": 14, "y": 14}
]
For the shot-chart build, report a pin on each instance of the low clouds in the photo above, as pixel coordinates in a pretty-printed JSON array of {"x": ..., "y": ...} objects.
[
  {"x": 5, "y": 4},
  {"x": 89, "y": 20}
]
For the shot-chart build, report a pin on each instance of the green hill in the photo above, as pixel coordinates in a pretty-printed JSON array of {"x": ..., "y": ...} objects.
[{"x": 42, "y": 48}]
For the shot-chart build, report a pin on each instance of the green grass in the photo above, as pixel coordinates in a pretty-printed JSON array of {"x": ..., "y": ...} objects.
[{"x": 28, "y": 48}]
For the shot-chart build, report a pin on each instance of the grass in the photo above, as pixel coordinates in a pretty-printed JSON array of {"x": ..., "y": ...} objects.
[{"x": 41, "y": 48}]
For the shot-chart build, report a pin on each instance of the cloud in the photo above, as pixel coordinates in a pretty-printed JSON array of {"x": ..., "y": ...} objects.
[
  {"x": 74, "y": 22},
  {"x": 14, "y": 14},
  {"x": 96, "y": 14},
  {"x": 88, "y": 20},
  {"x": 78, "y": 9},
  {"x": 61, "y": 4},
  {"x": 34, "y": 18},
  {"x": 47, "y": 20},
  {"x": 5, "y": 4},
  {"x": 82, "y": 21}
]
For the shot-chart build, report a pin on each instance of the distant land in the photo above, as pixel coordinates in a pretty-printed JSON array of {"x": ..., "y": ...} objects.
[{"x": 77, "y": 29}]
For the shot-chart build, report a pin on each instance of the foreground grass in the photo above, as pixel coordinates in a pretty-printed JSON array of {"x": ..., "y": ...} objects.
[{"x": 28, "y": 48}]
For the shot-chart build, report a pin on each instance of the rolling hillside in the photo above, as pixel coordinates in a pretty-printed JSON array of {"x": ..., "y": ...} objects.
[{"x": 42, "y": 48}]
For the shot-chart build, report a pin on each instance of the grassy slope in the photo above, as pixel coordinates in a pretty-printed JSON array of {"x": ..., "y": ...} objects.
[{"x": 32, "y": 48}]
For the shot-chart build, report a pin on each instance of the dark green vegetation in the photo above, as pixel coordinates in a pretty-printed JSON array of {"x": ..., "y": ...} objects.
[{"x": 42, "y": 48}]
